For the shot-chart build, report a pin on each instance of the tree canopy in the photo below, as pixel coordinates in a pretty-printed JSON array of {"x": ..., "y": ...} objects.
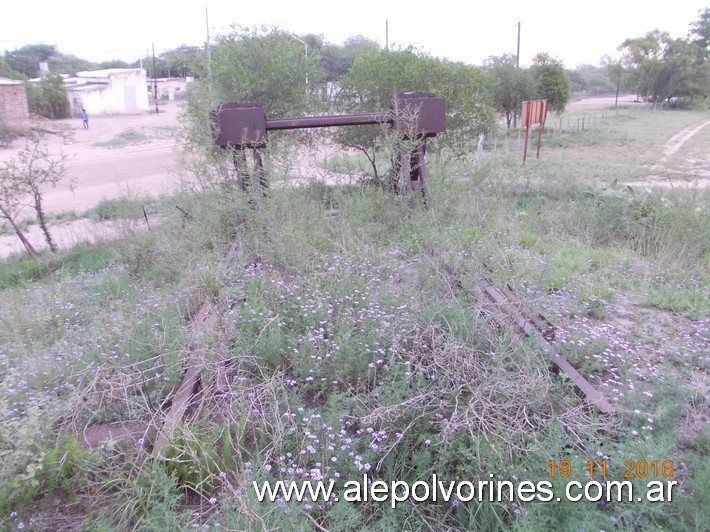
[
  {"x": 267, "y": 66},
  {"x": 510, "y": 85},
  {"x": 661, "y": 67},
  {"x": 700, "y": 30},
  {"x": 376, "y": 76},
  {"x": 551, "y": 82},
  {"x": 48, "y": 97}
]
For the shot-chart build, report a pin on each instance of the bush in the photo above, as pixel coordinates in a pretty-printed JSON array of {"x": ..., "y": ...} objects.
[{"x": 7, "y": 135}]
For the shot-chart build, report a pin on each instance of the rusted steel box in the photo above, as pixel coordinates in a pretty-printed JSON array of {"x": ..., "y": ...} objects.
[
  {"x": 430, "y": 111},
  {"x": 240, "y": 124}
]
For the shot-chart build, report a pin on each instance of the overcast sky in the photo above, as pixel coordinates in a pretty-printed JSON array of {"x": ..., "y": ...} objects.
[{"x": 575, "y": 32}]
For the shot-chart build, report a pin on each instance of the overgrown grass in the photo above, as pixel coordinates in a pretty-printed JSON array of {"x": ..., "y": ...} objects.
[
  {"x": 343, "y": 339},
  {"x": 133, "y": 136},
  {"x": 22, "y": 271}
]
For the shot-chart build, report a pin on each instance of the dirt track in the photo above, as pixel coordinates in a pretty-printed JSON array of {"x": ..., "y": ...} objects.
[{"x": 104, "y": 172}]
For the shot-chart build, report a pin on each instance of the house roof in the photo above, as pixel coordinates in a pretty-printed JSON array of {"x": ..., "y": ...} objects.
[
  {"x": 91, "y": 80},
  {"x": 85, "y": 87},
  {"x": 106, "y": 72}
]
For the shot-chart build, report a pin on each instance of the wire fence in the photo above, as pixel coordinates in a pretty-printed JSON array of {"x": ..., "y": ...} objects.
[{"x": 507, "y": 140}]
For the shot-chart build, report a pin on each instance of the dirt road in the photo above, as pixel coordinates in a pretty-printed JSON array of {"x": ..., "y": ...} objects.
[{"x": 102, "y": 170}]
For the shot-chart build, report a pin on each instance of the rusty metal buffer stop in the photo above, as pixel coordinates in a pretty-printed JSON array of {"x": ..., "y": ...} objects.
[{"x": 413, "y": 115}]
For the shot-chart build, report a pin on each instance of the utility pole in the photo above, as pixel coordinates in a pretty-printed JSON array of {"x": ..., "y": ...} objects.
[
  {"x": 387, "y": 34},
  {"x": 155, "y": 82},
  {"x": 305, "y": 45},
  {"x": 207, "y": 47},
  {"x": 517, "y": 65},
  {"x": 517, "y": 54}
]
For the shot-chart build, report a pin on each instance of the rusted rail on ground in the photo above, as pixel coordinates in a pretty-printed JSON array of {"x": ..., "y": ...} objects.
[
  {"x": 186, "y": 396},
  {"x": 505, "y": 308}
]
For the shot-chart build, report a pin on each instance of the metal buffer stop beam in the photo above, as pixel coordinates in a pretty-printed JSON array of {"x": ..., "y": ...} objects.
[{"x": 415, "y": 116}]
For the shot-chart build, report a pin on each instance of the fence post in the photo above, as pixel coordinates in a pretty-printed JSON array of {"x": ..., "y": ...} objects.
[{"x": 479, "y": 148}]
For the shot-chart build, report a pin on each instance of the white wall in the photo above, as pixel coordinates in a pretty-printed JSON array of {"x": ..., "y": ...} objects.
[{"x": 124, "y": 94}]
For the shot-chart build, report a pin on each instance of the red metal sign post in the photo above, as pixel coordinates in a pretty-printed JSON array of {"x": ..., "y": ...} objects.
[{"x": 534, "y": 112}]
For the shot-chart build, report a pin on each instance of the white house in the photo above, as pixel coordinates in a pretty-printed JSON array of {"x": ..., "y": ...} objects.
[{"x": 109, "y": 91}]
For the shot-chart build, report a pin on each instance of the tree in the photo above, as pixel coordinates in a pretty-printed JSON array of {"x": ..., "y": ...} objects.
[
  {"x": 616, "y": 73},
  {"x": 25, "y": 178},
  {"x": 551, "y": 82},
  {"x": 68, "y": 64},
  {"x": 661, "y": 67},
  {"x": 182, "y": 61},
  {"x": 27, "y": 58},
  {"x": 114, "y": 63},
  {"x": 700, "y": 29},
  {"x": 10, "y": 209},
  {"x": 469, "y": 103},
  {"x": 267, "y": 66},
  {"x": 6, "y": 71},
  {"x": 375, "y": 76},
  {"x": 594, "y": 80},
  {"x": 157, "y": 68},
  {"x": 511, "y": 85},
  {"x": 336, "y": 60},
  {"x": 48, "y": 98}
]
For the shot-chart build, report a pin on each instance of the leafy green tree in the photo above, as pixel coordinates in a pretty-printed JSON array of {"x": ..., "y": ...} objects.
[
  {"x": 153, "y": 69},
  {"x": 616, "y": 73},
  {"x": 511, "y": 85},
  {"x": 682, "y": 72},
  {"x": 469, "y": 103},
  {"x": 68, "y": 64},
  {"x": 643, "y": 58},
  {"x": 594, "y": 80},
  {"x": 661, "y": 67},
  {"x": 113, "y": 63},
  {"x": 48, "y": 98},
  {"x": 27, "y": 58},
  {"x": 264, "y": 66},
  {"x": 182, "y": 61},
  {"x": 336, "y": 60},
  {"x": 700, "y": 29},
  {"x": 6, "y": 71},
  {"x": 551, "y": 82},
  {"x": 375, "y": 76},
  {"x": 577, "y": 81},
  {"x": 268, "y": 66}
]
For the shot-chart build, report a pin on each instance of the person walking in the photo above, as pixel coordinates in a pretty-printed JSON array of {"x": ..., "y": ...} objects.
[{"x": 85, "y": 118}]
